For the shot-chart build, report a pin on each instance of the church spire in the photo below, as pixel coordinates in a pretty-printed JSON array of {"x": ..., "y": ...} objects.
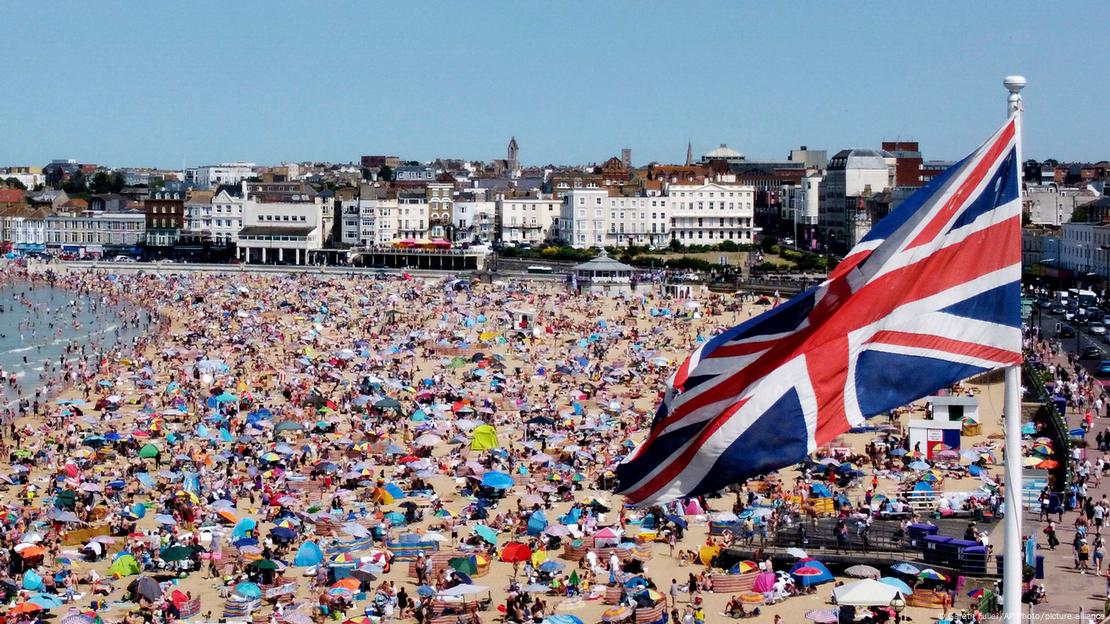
[{"x": 689, "y": 153}]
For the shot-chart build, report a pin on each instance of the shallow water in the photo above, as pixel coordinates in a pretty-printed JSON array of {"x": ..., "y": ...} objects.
[{"x": 37, "y": 323}]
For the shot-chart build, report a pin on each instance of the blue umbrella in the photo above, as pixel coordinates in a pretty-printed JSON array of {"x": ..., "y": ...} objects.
[
  {"x": 283, "y": 533},
  {"x": 248, "y": 590},
  {"x": 679, "y": 522},
  {"x": 896, "y": 584},
  {"x": 918, "y": 465},
  {"x": 46, "y": 601},
  {"x": 905, "y": 568},
  {"x": 497, "y": 480},
  {"x": 485, "y": 533},
  {"x": 425, "y": 592},
  {"x": 551, "y": 566},
  {"x": 562, "y": 618}
]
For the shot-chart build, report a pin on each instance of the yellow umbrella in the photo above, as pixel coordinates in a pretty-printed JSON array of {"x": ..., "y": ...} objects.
[
  {"x": 707, "y": 553},
  {"x": 538, "y": 557}
]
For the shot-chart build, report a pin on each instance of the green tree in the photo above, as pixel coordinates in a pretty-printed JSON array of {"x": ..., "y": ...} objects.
[
  {"x": 75, "y": 184},
  {"x": 386, "y": 173},
  {"x": 674, "y": 245},
  {"x": 118, "y": 183},
  {"x": 101, "y": 182},
  {"x": 15, "y": 183},
  {"x": 767, "y": 243}
]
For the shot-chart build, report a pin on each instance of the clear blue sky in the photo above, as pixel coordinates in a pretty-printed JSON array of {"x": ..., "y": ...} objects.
[{"x": 159, "y": 83}]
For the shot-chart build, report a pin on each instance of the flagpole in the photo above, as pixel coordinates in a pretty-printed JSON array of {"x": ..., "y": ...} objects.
[{"x": 1013, "y": 561}]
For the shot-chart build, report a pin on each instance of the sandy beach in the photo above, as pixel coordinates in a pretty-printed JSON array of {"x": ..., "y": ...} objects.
[{"x": 358, "y": 415}]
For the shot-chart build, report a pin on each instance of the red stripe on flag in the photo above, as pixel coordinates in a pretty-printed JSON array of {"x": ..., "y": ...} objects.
[
  {"x": 938, "y": 343},
  {"x": 848, "y": 263},
  {"x": 959, "y": 198},
  {"x": 669, "y": 473}
]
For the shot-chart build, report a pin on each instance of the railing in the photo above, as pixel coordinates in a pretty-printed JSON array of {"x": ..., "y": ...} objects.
[
  {"x": 416, "y": 250},
  {"x": 1058, "y": 429}
]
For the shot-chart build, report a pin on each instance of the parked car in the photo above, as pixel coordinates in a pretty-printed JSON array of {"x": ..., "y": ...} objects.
[
  {"x": 123, "y": 259},
  {"x": 1103, "y": 368},
  {"x": 1091, "y": 353},
  {"x": 1096, "y": 328}
]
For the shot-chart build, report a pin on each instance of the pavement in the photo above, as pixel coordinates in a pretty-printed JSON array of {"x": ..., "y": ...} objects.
[{"x": 1068, "y": 591}]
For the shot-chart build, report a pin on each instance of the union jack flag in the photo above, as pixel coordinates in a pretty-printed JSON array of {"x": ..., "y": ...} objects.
[{"x": 930, "y": 296}]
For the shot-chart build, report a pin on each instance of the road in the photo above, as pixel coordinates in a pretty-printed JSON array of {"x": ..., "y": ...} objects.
[{"x": 1082, "y": 339}]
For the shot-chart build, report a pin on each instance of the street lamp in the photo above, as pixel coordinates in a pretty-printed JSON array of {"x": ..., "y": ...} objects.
[{"x": 898, "y": 603}]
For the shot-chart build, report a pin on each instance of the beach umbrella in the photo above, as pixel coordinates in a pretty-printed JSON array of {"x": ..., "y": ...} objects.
[
  {"x": 929, "y": 574},
  {"x": 865, "y": 593},
  {"x": 863, "y": 571},
  {"x": 797, "y": 553},
  {"x": 364, "y": 575},
  {"x": 248, "y": 590},
  {"x": 918, "y": 465},
  {"x": 898, "y": 584},
  {"x": 355, "y": 530},
  {"x": 24, "y": 608},
  {"x": 905, "y": 568},
  {"x": 466, "y": 565},
  {"x": 288, "y": 425},
  {"x": 148, "y": 451},
  {"x": 165, "y": 520},
  {"x": 497, "y": 480},
  {"x": 515, "y": 552},
  {"x": 822, "y": 616},
  {"x": 145, "y": 587},
  {"x": 264, "y": 564},
  {"x": 551, "y": 565},
  {"x": 29, "y": 551},
  {"x": 764, "y": 582},
  {"x": 282, "y": 533},
  {"x": 976, "y": 593},
  {"x": 485, "y": 533},
  {"x": 616, "y": 614},
  {"x": 175, "y": 553},
  {"x": 46, "y": 601},
  {"x": 388, "y": 403},
  {"x": 463, "y": 589},
  {"x": 425, "y": 591}
]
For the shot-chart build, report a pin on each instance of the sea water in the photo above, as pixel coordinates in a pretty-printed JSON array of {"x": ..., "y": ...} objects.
[{"x": 38, "y": 323}]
